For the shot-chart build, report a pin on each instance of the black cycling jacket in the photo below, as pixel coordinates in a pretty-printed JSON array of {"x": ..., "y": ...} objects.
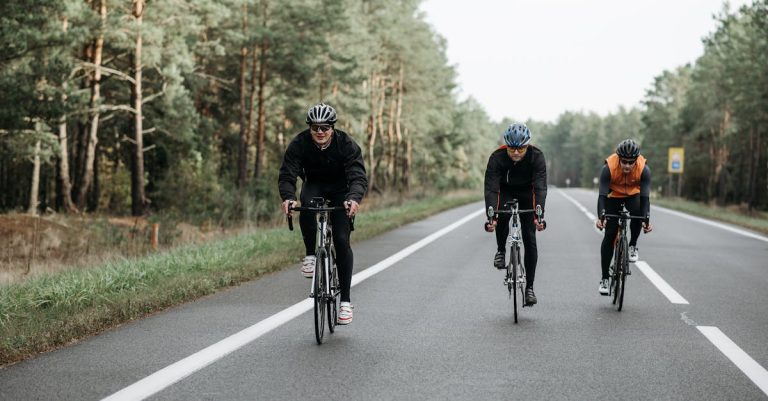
[
  {"x": 339, "y": 167},
  {"x": 502, "y": 174}
]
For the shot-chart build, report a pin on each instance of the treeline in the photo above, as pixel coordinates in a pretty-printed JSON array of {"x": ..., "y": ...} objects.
[
  {"x": 186, "y": 106},
  {"x": 717, "y": 109}
]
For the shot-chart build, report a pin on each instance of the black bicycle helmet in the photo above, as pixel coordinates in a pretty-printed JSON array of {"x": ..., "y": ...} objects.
[
  {"x": 517, "y": 135},
  {"x": 628, "y": 149},
  {"x": 321, "y": 113}
]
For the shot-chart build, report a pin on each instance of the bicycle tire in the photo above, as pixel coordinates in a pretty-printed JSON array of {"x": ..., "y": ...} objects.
[
  {"x": 623, "y": 277},
  {"x": 514, "y": 259},
  {"x": 614, "y": 284},
  {"x": 618, "y": 268},
  {"x": 522, "y": 280},
  {"x": 333, "y": 304},
  {"x": 320, "y": 301}
]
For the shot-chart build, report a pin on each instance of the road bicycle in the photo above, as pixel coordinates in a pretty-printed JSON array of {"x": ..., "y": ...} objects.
[
  {"x": 325, "y": 289},
  {"x": 514, "y": 278},
  {"x": 619, "y": 269}
]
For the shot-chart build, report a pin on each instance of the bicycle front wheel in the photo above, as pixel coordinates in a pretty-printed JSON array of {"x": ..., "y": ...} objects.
[
  {"x": 333, "y": 303},
  {"x": 514, "y": 262},
  {"x": 623, "y": 278},
  {"x": 617, "y": 278},
  {"x": 320, "y": 301}
]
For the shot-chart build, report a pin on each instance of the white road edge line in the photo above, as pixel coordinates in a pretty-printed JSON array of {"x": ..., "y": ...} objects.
[
  {"x": 651, "y": 274},
  {"x": 741, "y": 359},
  {"x": 662, "y": 285},
  {"x": 173, "y": 373},
  {"x": 713, "y": 223}
]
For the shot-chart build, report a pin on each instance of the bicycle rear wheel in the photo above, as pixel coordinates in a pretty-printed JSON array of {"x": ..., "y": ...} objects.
[{"x": 320, "y": 301}]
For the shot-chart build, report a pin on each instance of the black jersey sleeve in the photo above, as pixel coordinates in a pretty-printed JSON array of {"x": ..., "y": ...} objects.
[
  {"x": 604, "y": 188},
  {"x": 354, "y": 168},
  {"x": 540, "y": 180},
  {"x": 290, "y": 170}
]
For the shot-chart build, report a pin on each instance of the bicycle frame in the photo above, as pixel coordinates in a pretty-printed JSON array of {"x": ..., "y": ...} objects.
[
  {"x": 515, "y": 277},
  {"x": 620, "y": 260},
  {"x": 325, "y": 287}
]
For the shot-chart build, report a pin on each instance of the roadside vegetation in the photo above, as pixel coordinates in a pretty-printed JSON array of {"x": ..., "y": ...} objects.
[
  {"x": 740, "y": 216},
  {"x": 51, "y": 310}
]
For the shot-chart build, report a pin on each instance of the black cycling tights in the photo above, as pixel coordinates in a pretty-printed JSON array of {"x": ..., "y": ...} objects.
[
  {"x": 527, "y": 229},
  {"x": 341, "y": 232},
  {"x": 612, "y": 206}
]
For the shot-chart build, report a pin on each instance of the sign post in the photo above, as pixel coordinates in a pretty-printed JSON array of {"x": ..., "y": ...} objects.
[{"x": 675, "y": 164}]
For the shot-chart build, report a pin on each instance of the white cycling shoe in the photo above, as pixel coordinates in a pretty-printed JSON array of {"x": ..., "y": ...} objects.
[
  {"x": 345, "y": 313},
  {"x": 604, "y": 287},
  {"x": 633, "y": 254},
  {"x": 308, "y": 266}
]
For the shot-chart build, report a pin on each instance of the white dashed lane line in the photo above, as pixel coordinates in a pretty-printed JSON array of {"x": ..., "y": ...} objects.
[{"x": 741, "y": 359}]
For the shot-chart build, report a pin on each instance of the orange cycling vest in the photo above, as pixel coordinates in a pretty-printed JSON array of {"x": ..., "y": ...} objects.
[{"x": 624, "y": 185}]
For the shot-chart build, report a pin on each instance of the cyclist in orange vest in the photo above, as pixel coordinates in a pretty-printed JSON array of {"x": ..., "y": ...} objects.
[{"x": 625, "y": 178}]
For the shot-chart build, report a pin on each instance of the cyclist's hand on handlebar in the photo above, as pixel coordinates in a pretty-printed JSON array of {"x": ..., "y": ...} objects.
[
  {"x": 600, "y": 224},
  {"x": 647, "y": 227},
  {"x": 352, "y": 207},
  {"x": 490, "y": 226},
  {"x": 287, "y": 205}
]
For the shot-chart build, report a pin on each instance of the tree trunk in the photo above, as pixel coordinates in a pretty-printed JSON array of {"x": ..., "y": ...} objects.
[
  {"x": 262, "y": 117},
  {"x": 64, "y": 180},
  {"x": 372, "y": 133},
  {"x": 407, "y": 162},
  {"x": 261, "y": 125},
  {"x": 380, "y": 114},
  {"x": 138, "y": 199},
  {"x": 390, "y": 164},
  {"x": 754, "y": 166},
  {"x": 242, "y": 159},
  {"x": 398, "y": 120},
  {"x": 35, "y": 187},
  {"x": 92, "y": 139}
]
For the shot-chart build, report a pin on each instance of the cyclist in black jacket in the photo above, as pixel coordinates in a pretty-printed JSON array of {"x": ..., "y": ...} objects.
[
  {"x": 517, "y": 170},
  {"x": 330, "y": 165}
]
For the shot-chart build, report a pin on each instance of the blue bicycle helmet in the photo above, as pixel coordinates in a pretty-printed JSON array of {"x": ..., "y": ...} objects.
[{"x": 517, "y": 135}]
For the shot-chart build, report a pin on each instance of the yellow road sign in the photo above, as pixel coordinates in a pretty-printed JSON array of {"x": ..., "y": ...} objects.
[{"x": 676, "y": 160}]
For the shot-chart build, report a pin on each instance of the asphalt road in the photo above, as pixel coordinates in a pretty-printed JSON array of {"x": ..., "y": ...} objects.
[{"x": 437, "y": 324}]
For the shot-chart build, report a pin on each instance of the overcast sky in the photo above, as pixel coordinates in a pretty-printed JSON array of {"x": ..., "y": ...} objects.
[{"x": 538, "y": 58}]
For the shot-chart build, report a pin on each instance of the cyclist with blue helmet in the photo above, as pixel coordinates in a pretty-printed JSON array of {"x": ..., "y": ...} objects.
[{"x": 517, "y": 170}]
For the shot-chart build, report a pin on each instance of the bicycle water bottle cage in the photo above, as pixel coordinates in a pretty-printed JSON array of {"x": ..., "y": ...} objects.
[{"x": 317, "y": 202}]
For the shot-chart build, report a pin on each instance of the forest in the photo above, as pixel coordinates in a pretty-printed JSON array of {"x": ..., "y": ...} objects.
[{"x": 185, "y": 107}]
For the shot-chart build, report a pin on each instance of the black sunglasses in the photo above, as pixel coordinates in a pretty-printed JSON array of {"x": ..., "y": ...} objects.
[{"x": 320, "y": 128}]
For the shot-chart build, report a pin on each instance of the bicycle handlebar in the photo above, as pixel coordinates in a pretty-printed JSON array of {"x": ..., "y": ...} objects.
[
  {"x": 538, "y": 210},
  {"x": 317, "y": 210},
  {"x": 646, "y": 219}
]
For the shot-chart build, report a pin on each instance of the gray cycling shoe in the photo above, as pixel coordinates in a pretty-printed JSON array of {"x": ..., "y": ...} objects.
[
  {"x": 498, "y": 260},
  {"x": 530, "y": 297}
]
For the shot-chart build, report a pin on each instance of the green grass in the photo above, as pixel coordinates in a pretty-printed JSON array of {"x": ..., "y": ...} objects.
[
  {"x": 49, "y": 311},
  {"x": 757, "y": 221}
]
